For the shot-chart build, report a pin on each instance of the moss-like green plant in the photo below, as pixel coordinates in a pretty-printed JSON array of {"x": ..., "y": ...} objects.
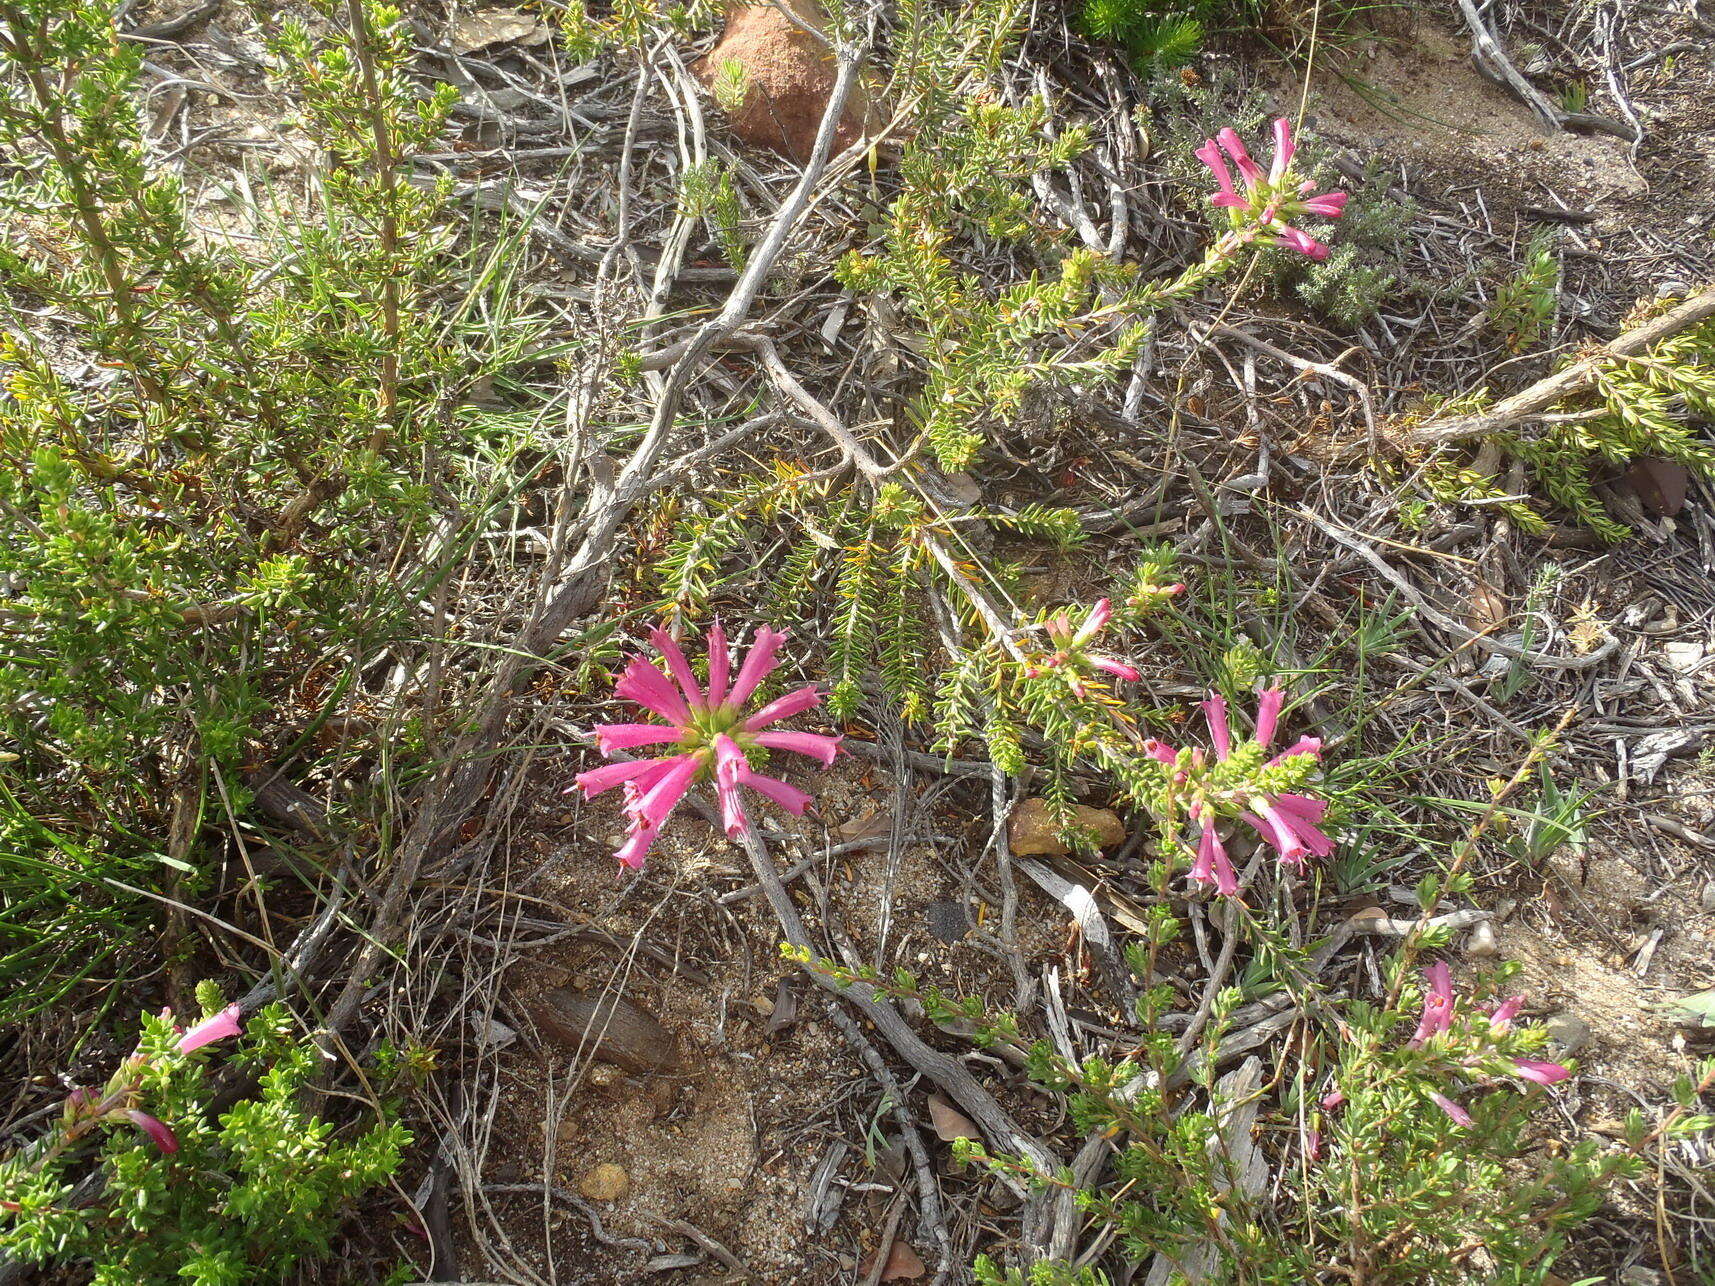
[{"x": 183, "y": 1194}]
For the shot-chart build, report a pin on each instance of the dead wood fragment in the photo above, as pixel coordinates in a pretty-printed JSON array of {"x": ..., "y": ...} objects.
[
  {"x": 1571, "y": 379},
  {"x": 607, "y": 1027},
  {"x": 944, "y": 1070},
  {"x": 1491, "y": 60}
]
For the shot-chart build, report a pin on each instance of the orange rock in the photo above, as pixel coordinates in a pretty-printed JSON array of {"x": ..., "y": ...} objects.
[
  {"x": 1033, "y": 833},
  {"x": 788, "y": 75}
]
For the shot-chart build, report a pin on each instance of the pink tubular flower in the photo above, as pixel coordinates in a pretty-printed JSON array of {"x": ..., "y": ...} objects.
[
  {"x": 1458, "y": 1114},
  {"x": 164, "y": 1138},
  {"x": 1213, "y": 866},
  {"x": 1269, "y": 200},
  {"x": 1290, "y": 822},
  {"x": 209, "y": 1030},
  {"x": 1437, "y": 1005},
  {"x": 1541, "y": 1073},
  {"x": 1502, "y": 1019},
  {"x": 713, "y": 736},
  {"x": 1072, "y": 655},
  {"x": 1284, "y": 148}
]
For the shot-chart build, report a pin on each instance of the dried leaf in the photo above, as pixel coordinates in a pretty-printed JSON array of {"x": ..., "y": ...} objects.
[
  {"x": 903, "y": 1264},
  {"x": 1488, "y": 610},
  {"x": 875, "y": 822},
  {"x": 785, "y": 1008},
  {"x": 1697, "y": 1010},
  {"x": 949, "y": 1122},
  {"x": 1660, "y": 485}
]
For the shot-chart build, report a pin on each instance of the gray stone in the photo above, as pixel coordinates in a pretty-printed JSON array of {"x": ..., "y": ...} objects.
[{"x": 1569, "y": 1032}]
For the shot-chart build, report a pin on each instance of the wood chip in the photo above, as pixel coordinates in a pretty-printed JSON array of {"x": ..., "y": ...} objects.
[{"x": 606, "y": 1027}]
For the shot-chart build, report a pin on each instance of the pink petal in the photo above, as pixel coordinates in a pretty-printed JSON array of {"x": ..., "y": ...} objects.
[
  {"x": 1502, "y": 1019},
  {"x": 1332, "y": 1099},
  {"x": 1215, "y": 710},
  {"x": 1211, "y": 156},
  {"x": 1278, "y": 832},
  {"x": 636, "y": 846},
  {"x": 596, "y": 780},
  {"x": 759, "y": 663},
  {"x": 810, "y": 744},
  {"x": 1099, "y": 616},
  {"x": 678, "y": 666},
  {"x": 610, "y": 737},
  {"x": 1301, "y": 813},
  {"x": 1300, "y": 808},
  {"x": 1302, "y": 242},
  {"x": 784, "y": 707},
  {"x": 1283, "y": 150},
  {"x": 1119, "y": 669},
  {"x": 719, "y": 664},
  {"x": 1235, "y": 146},
  {"x": 1212, "y": 864},
  {"x": 1268, "y": 703},
  {"x": 1160, "y": 750},
  {"x": 1460, "y": 1115},
  {"x": 1437, "y": 1014},
  {"x": 1303, "y": 746},
  {"x": 1542, "y": 1073},
  {"x": 1312, "y": 1145},
  {"x": 1203, "y": 869},
  {"x": 649, "y": 688},
  {"x": 730, "y": 763},
  {"x": 209, "y": 1030},
  {"x": 640, "y": 785},
  {"x": 1330, "y": 205},
  {"x": 156, "y": 1130},
  {"x": 1440, "y": 979},
  {"x": 788, "y": 797},
  {"x": 663, "y": 797},
  {"x": 1230, "y": 201}
]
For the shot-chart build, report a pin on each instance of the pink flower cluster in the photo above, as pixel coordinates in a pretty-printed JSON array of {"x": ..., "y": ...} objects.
[
  {"x": 1071, "y": 655},
  {"x": 1437, "y": 1017},
  {"x": 1291, "y": 822},
  {"x": 1269, "y": 199},
  {"x": 714, "y": 737},
  {"x": 83, "y": 1108}
]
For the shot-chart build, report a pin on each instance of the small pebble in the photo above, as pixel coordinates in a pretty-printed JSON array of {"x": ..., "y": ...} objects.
[
  {"x": 1569, "y": 1032},
  {"x": 607, "y": 1182}
]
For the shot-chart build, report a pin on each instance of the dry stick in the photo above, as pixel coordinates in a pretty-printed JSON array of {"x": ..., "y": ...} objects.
[
  {"x": 1574, "y": 378},
  {"x": 456, "y": 788},
  {"x": 859, "y": 455},
  {"x": 927, "y": 1189},
  {"x": 1445, "y": 622},
  {"x": 578, "y": 590},
  {"x": 945, "y": 1070},
  {"x": 1492, "y": 61}
]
